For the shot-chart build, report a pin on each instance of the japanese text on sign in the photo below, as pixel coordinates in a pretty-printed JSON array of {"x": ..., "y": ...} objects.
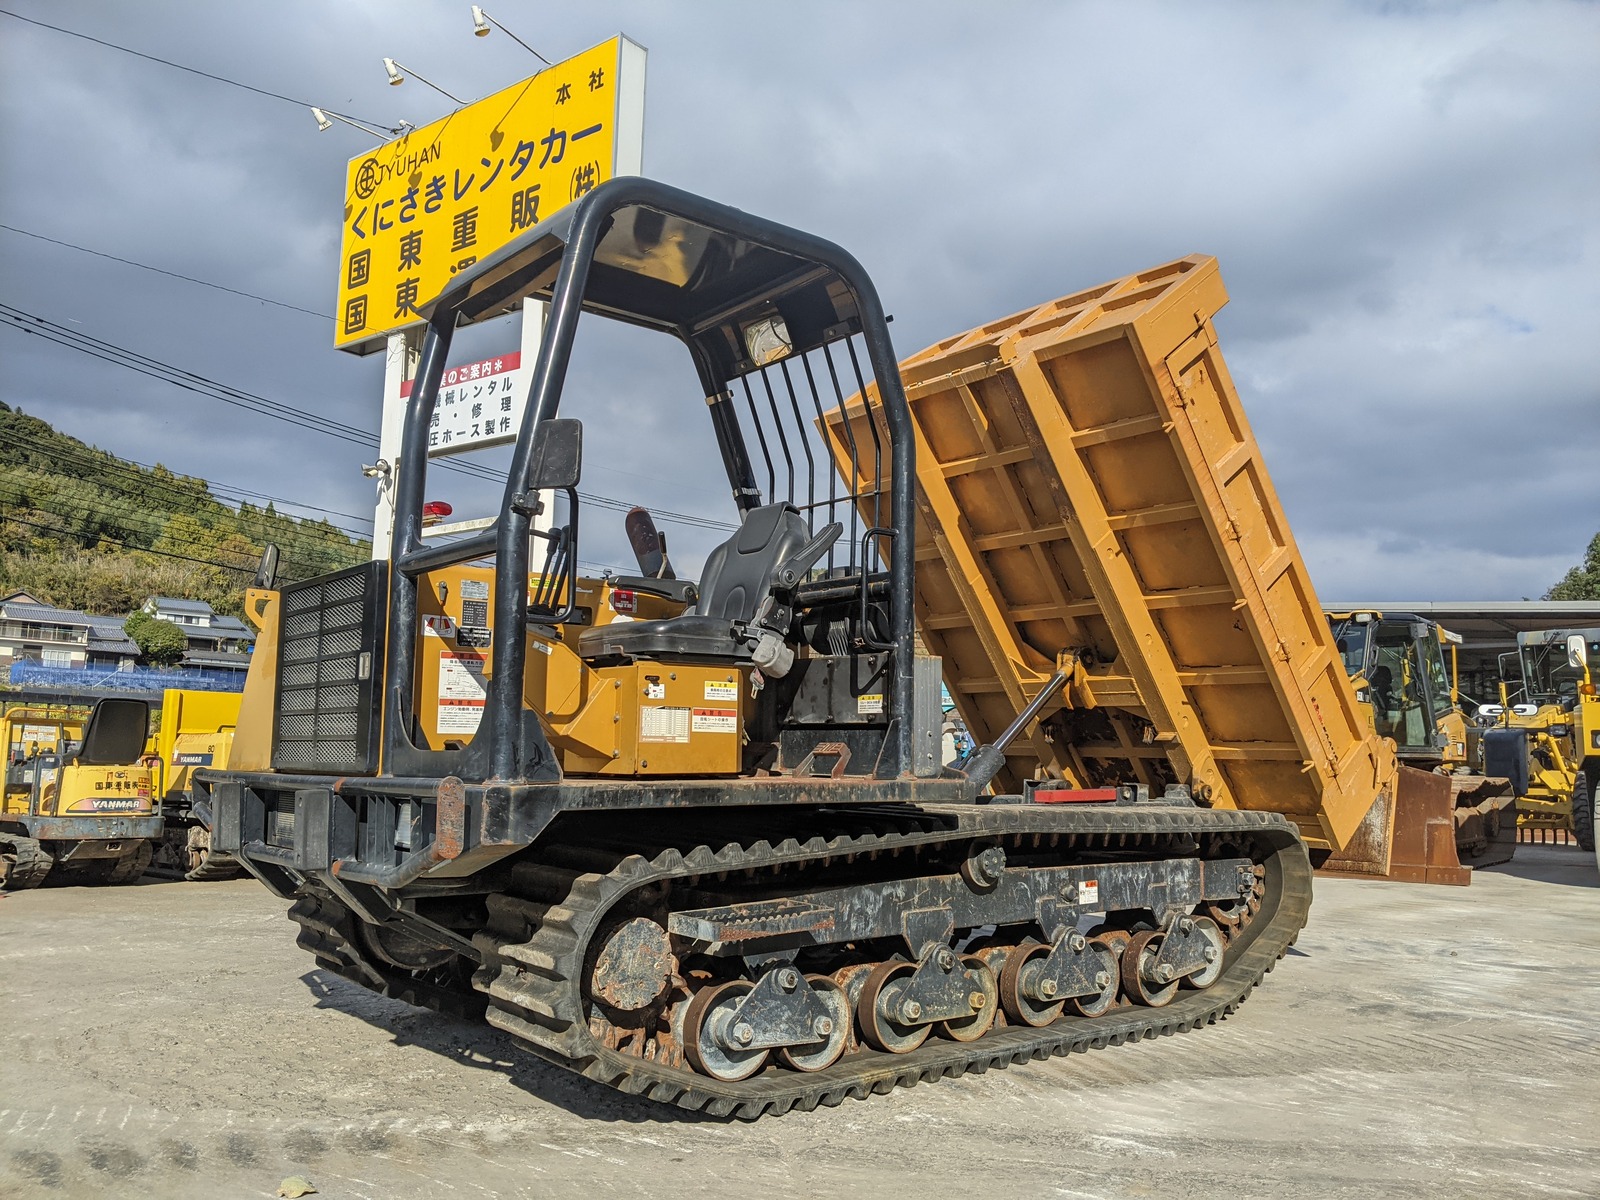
[
  {"x": 480, "y": 404},
  {"x": 433, "y": 202}
]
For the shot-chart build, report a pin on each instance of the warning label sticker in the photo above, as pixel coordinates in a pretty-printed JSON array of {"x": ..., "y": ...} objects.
[
  {"x": 663, "y": 724},
  {"x": 460, "y": 692},
  {"x": 714, "y": 720},
  {"x": 1089, "y": 893},
  {"x": 438, "y": 626},
  {"x": 474, "y": 589},
  {"x": 716, "y": 690},
  {"x": 872, "y": 702}
]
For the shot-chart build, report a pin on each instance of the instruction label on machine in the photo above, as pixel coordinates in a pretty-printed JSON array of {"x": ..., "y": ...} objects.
[
  {"x": 460, "y": 692},
  {"x": 717, "y": 690},
  {"x": 872, "y": 702},
  {"x": 663, "y": 723},
  {"x": 714, "y": 720},
  {"x": 1089, "y": 893}
]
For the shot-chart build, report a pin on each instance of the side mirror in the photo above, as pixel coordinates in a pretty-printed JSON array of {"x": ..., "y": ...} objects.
[
  {"x": 267, "y": 570},
  {"x": 557, "y": 455},
  {"x": 1577, "y": 651}
]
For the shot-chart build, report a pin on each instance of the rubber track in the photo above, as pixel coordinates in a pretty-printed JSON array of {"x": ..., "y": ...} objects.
[
  {"x": 534, "y": 949},
  {"x": 131, "y": 865},
  {"x": 33, "y": 863},
  {"x": 215, "y": 865}
]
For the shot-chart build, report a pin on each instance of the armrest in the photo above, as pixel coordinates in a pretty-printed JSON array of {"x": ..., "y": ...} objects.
[{"x": 681, "y": 590}]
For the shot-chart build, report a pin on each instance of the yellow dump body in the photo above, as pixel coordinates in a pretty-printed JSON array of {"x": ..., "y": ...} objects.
[
  {"x": 1091, "y": 495},
  {"x": 196, "y": 731}
]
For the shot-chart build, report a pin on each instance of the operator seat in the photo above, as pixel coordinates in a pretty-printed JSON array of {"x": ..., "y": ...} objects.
[{"x": 737, "y": 580}]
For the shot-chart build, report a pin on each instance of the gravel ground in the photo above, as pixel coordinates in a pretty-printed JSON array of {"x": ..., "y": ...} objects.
[{"x": 169, "y": 1040}]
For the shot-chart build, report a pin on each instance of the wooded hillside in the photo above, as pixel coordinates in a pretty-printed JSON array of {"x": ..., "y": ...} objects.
[{"x": 84, "y": 529}]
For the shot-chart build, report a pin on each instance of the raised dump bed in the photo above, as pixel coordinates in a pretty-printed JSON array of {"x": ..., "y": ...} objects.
[{"x": 1091, "y": 497}]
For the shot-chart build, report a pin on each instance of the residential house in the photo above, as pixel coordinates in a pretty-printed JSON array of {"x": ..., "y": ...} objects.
[
  {"x": 216, "y": 642},
  {"x": 32, "y": 631}
]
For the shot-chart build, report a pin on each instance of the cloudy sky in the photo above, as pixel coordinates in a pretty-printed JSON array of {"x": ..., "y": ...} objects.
[{"x": 1405, "y": 199}]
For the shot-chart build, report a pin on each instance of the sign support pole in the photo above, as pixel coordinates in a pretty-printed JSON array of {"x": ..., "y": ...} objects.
[
  {"x": 399, "y": 366},
  {"x": 533, "y": 317}
]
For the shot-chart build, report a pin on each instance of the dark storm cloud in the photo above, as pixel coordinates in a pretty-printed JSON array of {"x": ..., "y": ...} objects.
[{"x": 1401, "y": 197}]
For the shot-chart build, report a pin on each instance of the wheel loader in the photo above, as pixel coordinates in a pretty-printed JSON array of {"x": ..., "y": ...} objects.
[
  {"x": 79, "y": 805},
  {"x": 1548, "y": 741},
  {"x": 693, "y": 838},
  {"x": 1396, "y": 663}
]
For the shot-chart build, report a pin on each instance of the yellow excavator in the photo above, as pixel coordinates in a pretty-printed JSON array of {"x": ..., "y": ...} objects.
[
  {"x": 79, "y": 804},
  {"x": 196, "y": 731}
]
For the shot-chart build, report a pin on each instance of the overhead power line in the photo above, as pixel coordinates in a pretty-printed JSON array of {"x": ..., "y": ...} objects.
[
  {"x": 167, "y": 62},
  {"x": 88, "y": 459},
  {"x": 188, "y": 380},
  {"x": 73, "y": 339},
  {"x": 85, "y": 511},
  {"x": 160, "y": 271},
  {"x": 204, "y": 562},
  {"x": 126, "y": 472}
]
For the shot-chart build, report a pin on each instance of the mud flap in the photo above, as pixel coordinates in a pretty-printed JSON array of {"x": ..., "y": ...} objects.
[{"x": 1408, "y": 835}]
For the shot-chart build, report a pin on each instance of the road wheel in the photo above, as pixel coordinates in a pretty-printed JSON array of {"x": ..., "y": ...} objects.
[{"x": 1583, "y": 820}]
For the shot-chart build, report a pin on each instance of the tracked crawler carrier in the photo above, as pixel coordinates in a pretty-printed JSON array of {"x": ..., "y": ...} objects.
[{"x": 693, "y": 839}]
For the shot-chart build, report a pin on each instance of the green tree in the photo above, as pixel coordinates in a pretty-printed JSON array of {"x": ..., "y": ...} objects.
[
  {"x": 161, "y": 643},
  {"x": 1583, "y": 581}
]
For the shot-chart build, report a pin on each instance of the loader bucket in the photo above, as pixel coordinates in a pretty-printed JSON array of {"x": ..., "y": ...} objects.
[{"x": 1408, "y": 835}]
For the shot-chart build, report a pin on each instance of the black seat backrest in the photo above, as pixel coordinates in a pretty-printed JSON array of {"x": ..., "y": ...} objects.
[{"x": 738, "y": 574}]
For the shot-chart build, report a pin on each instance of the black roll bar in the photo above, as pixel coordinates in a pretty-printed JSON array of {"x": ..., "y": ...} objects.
[{"x": 510, "y": 744}]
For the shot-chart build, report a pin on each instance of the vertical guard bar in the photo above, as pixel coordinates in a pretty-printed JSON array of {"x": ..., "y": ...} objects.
[{"x": 503, "y": 703}]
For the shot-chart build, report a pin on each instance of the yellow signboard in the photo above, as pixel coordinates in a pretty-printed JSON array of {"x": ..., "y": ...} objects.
[{"x": 434, "y": 201}]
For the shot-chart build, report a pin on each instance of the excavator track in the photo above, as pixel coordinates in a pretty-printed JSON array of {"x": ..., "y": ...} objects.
[
  {"x": 539, "y": 946},
  {"x": 23, "y": 863},
  {"x": 215, "y": 866},
  {"x": 207, "y": 864}
]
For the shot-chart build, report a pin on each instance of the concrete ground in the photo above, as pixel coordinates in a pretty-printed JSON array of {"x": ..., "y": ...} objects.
[{"x": 169, "y": 1040}]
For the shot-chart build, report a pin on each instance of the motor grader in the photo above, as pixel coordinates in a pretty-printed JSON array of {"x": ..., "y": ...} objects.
[
  {"x": 79, "y": 805},
  {"x": 1546, "y": 736},
  {"x": 692, "y": 838}
]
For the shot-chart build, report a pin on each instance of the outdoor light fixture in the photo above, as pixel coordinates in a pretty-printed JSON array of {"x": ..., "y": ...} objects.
[
  {"x": 480, "y": 28},
  {"x": 326, "y": 118},
  {"x": 398, "y": 72}
]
